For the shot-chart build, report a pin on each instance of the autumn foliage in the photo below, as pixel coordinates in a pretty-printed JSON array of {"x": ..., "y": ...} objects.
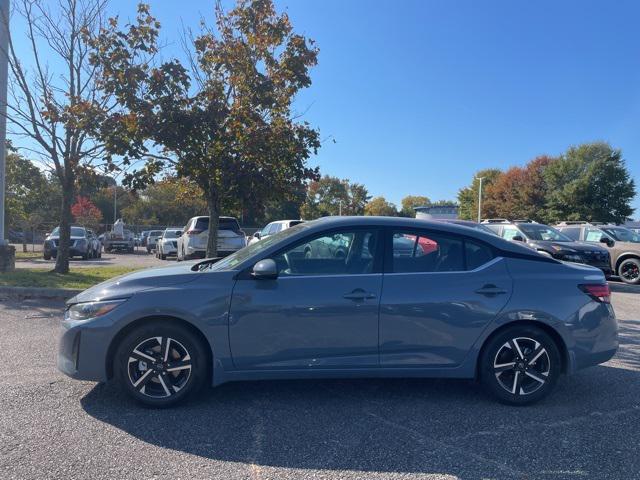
[{"x": 85, "y": 212}]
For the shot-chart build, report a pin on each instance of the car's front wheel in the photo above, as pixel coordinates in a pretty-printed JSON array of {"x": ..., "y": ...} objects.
[
  {"x": 520, "y": 365},
  {"x": 160, "y": 364},
  {"x": 629, "y": 271}
]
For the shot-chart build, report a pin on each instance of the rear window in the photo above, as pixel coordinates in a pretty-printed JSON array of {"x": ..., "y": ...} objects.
[
  {"x": 228, "y": 224},
  {"x": 224, "y": 224},
  {"x": 293, "y": 223}
]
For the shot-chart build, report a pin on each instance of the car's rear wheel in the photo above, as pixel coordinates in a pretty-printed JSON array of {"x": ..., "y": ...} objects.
[
  {"x": 520, "y": 365},
  {"x": 160, "y": 364},
  {"x": 629, "y": 271}
]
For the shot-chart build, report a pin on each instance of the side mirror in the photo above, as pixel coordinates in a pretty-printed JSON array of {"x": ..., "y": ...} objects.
[
  {"x": 257, "y": 235},
  {"x": 265, "y": 269},
  {"x": 518, "y": 238},
  {"x": 607, "y": 241}
]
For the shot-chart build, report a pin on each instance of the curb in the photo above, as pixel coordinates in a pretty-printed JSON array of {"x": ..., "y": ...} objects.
[{"x": 37, "y": 292}]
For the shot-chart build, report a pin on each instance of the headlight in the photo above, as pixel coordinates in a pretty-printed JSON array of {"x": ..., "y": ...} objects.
[
  {"x": 87, "y": 310},
  {"x": 573, "y": 258}
]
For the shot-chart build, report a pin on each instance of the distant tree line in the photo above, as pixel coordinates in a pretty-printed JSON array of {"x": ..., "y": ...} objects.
[{"x": 587, "y": 182}]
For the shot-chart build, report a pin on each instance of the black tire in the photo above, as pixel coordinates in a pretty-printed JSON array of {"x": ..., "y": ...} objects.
[
  {"x": 529, "y": 379},
  {"x": 629, "y": 271},
  {"x": 47, "y": 257},
  {"x": 151, "y": 390},
  {"x": 163, "y": 257},
  {"x": 85, "y": 256}
]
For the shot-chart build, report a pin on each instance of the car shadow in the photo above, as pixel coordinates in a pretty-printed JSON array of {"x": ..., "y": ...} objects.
[{"x": 404, "y": 425}]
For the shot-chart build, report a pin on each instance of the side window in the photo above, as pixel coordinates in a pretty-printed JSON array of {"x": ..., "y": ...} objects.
[
  {"x": 571, "y": 232},
  {"x": 509, "y": 232},
  {"x": 342, "y": 253},
  {"x": 593, "y": 235},
  {"x": 477, "y": 254},
  {"x": 416, "y": 252}
]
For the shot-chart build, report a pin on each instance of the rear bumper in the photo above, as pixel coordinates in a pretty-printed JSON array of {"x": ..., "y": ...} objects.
[{"x": 594, "y": 334}]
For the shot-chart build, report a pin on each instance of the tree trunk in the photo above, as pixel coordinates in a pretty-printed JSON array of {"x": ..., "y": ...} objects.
[
  {"x": 64, "y": 242},
  {"x": 214, "y": 216},
  {"x": 24, "y": 239}
]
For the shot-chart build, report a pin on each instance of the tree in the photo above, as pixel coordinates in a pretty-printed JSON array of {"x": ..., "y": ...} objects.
[
  {"x": 54, "y": 104},
  {"x": 225, "y": 121},
  {"x": 468, "y": 196},
  {"x": 380, "y": 207},
  {"x": 409, "y": 202},
  {"x": 28, "y": 194},
  {"x": 171, "y": 202},
  {"x": 334, "y": 196},
  {"x": 519, "y": 193},
  {"x": 86, "y": 213},
  {"x": 589, "y": 182}
]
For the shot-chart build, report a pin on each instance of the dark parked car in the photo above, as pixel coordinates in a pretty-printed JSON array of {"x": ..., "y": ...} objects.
[
  {"x": 476, "y": 306},
  {"x": 549, "y": 241},
  {"x": 82, "y": 244},
  {"x": 622, "y": 243}
]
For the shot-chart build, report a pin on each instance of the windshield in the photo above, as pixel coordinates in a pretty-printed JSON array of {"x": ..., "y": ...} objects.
[
  {"x": 622, "y": 234},
  {"x": 542, "y": 232},
  {"x": 230, "y": 262},
  {"x": 75, "y": 232}
]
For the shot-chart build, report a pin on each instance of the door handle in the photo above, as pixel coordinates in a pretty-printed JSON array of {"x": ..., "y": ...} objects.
[
  {"x": 490, "y": 290},
  {"x": 359, "y": 294}
]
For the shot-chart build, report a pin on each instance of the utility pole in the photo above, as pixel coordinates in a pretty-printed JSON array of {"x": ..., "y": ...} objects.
[
  {"x": 340, "y": 208},
  {"x": 115, "y": 202},
  {"x": 480, "y": 199},
  {"x": 4, "y": 66}
]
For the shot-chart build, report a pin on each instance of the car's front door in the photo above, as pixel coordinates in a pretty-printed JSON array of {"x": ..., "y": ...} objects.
[
  {"x": 320, "y": 312},
  {"x": 436, "y": 301}
]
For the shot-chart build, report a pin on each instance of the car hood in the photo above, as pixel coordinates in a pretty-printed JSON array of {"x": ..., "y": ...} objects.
[
  {"x": 566, "y": 246},
  {"x": 57, "y": 237},
  {"x": 631, "y": 246},
  {"x": 130, "y": 283}
]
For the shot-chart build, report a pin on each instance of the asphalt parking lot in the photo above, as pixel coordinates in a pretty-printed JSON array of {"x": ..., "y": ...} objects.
[{"x": 53, "y": 427}]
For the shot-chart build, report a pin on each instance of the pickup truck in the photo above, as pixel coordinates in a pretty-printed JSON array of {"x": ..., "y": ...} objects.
[{"x": 119, "y": 238}]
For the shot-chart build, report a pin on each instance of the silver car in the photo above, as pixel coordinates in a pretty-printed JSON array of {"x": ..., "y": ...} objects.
[{"x": 375, "y": 297}]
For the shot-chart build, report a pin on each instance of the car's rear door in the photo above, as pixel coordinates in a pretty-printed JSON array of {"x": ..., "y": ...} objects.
[
  {"x": 437, "y": 301},
  {"x": 320, "y": 313}
]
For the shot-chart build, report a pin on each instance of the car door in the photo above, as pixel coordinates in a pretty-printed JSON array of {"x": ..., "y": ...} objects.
[
  {"x": 437, "y": 301},
  {"x": 320, "y": 312}
]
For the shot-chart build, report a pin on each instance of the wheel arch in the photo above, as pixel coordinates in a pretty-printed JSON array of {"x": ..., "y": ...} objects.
[
  {"x": 545, "y": 327},
  {"x": 113, "y": 346}
]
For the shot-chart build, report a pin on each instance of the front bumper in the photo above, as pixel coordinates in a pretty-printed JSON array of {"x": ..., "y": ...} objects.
[{"x": 82, "y": 349}]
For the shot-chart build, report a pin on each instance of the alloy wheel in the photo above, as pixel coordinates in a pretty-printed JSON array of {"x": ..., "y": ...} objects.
[
  {"x": 522, "y": 366},
  {"x": 159, "y": 367},
  {"x": 630, "y": 271}
]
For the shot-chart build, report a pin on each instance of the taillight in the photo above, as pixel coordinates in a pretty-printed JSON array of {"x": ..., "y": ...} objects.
[
  {"x": 193, "y": 232},
  {"x": 598, "y": 291}
]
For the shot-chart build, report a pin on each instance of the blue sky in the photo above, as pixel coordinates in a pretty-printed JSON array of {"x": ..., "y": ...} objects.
[{"x": 420, "y": 94}]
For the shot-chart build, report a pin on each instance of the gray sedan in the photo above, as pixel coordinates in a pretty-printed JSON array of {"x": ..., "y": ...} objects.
[{"x": 382, "y": 297}]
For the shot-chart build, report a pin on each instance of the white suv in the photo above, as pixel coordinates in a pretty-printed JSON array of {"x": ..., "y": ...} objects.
[
  {"x": 193, "y": 241},
  {"x": 273, "y": 227}
]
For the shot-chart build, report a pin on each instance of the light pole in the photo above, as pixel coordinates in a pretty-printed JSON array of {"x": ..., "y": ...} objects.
[
  {"x": 4, "y": 66},
  {"x": 480, "y": 199}
]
